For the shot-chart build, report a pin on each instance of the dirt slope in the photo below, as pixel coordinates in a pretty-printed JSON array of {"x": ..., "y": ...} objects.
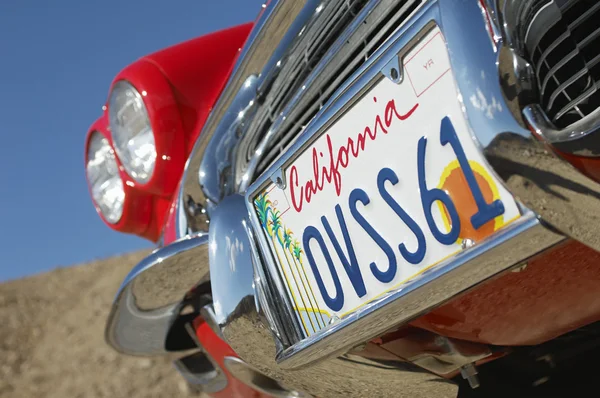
[{"x": 51, "y": 338}]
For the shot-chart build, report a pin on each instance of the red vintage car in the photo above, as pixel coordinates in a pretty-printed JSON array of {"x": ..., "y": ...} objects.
[{"x": 375, "y": 198}]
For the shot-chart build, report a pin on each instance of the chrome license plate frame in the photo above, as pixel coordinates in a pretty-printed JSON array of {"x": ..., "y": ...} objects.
[{"x": 344, "y": 333}]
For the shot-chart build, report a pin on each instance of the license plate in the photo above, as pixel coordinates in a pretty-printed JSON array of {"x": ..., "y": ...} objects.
[{"x": 395, "y": 186}]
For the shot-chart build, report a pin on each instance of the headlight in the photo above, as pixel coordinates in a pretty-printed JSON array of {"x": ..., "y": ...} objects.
[
  {"x": 132, "y": 134},
  {"x": 104, "y": 179}
]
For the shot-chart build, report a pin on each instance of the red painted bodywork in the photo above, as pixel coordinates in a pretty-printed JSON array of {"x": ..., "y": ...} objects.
[
  {"x": 179, "y": 86},
  {"x": 218, "y": 350},
  {"x": 197, "y": 71},
  {"x": 588, "y": 166},
  {"x": 556, "y": 293}
]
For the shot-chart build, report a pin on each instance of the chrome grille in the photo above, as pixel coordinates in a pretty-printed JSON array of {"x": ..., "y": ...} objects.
[
  {"x": 263, "y": 109},
  {"x": 566, "y": 57},
  {"x": 314, "y": 69},
  {"x": 306, "y": 53}
]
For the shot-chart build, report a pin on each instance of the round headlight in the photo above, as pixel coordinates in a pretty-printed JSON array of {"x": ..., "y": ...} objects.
[
  {"x": 104, "y": 179},
  {"x": 132, "y": 134}
]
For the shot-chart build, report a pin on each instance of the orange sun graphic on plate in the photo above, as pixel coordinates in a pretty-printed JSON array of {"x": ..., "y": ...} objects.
[{"x": 455, "y": 184}]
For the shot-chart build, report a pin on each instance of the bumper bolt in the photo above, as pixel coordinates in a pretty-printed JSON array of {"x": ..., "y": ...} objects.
[{"x": 469, "y": 373}]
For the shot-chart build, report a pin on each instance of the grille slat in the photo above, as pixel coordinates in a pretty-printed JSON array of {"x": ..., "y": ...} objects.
[
  {"x": 559, "y": 40},
  {"x": 588, "y": 39},
  {"x": 583, "y": 72},
  {"x": 555, "y": 68},
  {"x": 573, "y": 25},
  {"x": 568, "y": 4},
  {"x": 566, "y": 57},
  {"x": 317, "y": 41},
  {"x": 562, "y": 87},
  {"x": 585, "y": 95},
  {"x": 582, "y": 18}
]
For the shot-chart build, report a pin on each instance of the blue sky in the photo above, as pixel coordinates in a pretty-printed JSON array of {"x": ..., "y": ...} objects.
[{"x": 57, "y": 60}]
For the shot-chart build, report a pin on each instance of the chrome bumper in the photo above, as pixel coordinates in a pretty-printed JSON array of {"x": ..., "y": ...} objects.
[
  {"x": 557, "y": 200},
  {"x": 505, "y": 250},
  {"x": 152, "y": 295},
  {"x": 151, "y": 298}
]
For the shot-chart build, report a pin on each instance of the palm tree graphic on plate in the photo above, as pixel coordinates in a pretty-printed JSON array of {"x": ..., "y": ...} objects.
[
  {"x": 263, "y": 206},
  {"x": 278, "y": 233},
  {"x": 283, "y": 238}
]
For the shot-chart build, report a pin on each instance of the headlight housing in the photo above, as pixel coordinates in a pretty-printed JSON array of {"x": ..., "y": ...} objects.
[
  {"x": 131, "y": 131},
  {"x": 106, "y": 185},
  {"x": 155, "y": 110}
]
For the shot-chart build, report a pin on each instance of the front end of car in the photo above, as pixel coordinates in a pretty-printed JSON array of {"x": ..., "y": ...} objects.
[{"x": 382, "y": 196}]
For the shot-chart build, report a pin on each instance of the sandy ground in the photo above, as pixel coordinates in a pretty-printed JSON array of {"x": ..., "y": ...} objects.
[
  {"x": 52, "y": 341},
  {"x": 52, "y": 344}
]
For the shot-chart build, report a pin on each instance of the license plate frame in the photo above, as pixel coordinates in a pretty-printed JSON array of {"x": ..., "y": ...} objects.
[{"x": 346, "y": 98}]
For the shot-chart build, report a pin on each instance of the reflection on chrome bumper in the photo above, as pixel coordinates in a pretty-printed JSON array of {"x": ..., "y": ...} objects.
[
  {"x": 474, "y": 72},
  {"x": 244, "y": 312},
  {"x": 508, "y": 248},
  {"x": 245, "y": 302},
  {"x": 559, "y": 193},
  {"x": 150, "y": 298}
]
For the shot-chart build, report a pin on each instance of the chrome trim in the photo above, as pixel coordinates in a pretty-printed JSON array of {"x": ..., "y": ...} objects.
[
  {"x": 510, "y": 14},
  {"x": 349, "y": 49},
  {"x": 267, "y": 33},
  {"x": 243, "y": 310},
  {"x": 151, "y": 296},
  {"x": 508, "y": 248},
  {"x": 320, "y": 79},
  {"x": 558, "y": 192},
  {"x": 215, "y": 172},
  {"x": 199, "y": 368},
  {"x": 491, "y": 7},
  {"x": 208, "y": 314},
  {"x": 219, "y": 156},
  {"x": 524, "y": 157},
  {"x": 517, "y": 79},
  {"x": 581, "y": 138},
  {"x": 548, "y": 185},
  {"x": 233, "y": 256},
  {"x": 218, "y": 174}
]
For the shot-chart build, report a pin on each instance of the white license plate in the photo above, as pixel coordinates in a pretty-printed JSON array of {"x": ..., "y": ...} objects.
[{"x": 394, "y": 187}]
